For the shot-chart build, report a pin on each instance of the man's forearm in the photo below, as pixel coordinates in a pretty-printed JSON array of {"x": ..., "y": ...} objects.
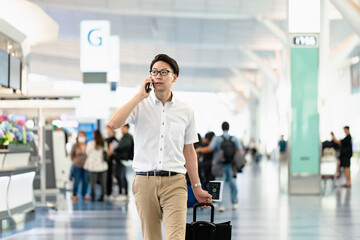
[
  {"x": 119, "y": 117},
  {"x": 192, "y": 166}
]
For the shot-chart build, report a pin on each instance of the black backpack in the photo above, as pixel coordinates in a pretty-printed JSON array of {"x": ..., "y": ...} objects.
[{"x": 229, "y": 149}]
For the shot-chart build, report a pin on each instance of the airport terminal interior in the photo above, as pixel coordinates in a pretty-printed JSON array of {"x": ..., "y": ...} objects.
[{"x": 284, "y": 74}]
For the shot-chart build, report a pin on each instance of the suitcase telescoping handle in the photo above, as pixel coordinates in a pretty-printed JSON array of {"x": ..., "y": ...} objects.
[{"x": 200, "y": 205}]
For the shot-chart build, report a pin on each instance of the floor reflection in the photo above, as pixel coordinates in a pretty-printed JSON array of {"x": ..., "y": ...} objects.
[{"x": 265, "y": 212}]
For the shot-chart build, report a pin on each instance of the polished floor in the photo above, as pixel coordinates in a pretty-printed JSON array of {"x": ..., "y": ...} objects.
[{"x": 266, "y": 212}]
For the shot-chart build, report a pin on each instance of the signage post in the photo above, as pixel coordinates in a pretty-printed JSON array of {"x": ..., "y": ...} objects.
[{"x": 304, "y": 167}]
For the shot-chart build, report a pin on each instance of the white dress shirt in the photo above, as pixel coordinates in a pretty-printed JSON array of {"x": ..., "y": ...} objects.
[{"x": 161, "y": 133}]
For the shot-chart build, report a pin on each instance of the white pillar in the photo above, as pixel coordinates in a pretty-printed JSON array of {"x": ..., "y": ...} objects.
[
  {"x": 41, "y": 149},
  {"x": 324, "y": 65},
  {"x": 350, "y": 10}
]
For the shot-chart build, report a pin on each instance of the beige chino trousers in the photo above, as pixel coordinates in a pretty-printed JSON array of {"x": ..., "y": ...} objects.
[{"x": 161, "y": 197}]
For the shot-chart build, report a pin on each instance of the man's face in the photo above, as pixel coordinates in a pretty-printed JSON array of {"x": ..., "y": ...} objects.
[
  {"x": 163, "y": 83},
  {"x": 346, "y": 131}
]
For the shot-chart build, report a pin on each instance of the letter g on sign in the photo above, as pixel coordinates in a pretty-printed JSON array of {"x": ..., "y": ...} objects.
[{"x": 93, "y": 38}]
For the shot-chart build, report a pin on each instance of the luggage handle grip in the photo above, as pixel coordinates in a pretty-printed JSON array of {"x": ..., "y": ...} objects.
[{"x": 200, "y": 205}]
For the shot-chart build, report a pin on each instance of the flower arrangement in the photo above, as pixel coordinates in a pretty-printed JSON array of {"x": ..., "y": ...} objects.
[{"x": 12, "y": 131}]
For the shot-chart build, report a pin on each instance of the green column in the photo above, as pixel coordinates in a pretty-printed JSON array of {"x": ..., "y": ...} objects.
[{"x": 305, "y": 143}]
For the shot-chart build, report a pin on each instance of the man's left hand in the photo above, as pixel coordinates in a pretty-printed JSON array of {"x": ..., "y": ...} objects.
[{"x": 201, "y": 195}]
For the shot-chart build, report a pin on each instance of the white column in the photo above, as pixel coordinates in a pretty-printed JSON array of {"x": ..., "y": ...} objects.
[
  {"x": 41, "y": 149},
  {"x": 324, "y": 65},
  {"x": 350, "y": 11}
]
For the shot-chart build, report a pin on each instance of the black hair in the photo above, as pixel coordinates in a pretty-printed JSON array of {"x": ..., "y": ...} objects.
[
  {"x": 347, "y": 127},
  {"x": 209, "y": 136},
  {"x": 225, "y": 126},
  {"x": 165, "y": 58}
]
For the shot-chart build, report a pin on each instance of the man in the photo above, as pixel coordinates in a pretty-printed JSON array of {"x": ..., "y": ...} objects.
[
  {"x": 345, "y": 154},
  {"x": 224, "y": 143},
  {"x": 164, "y": 136},
  {"x": 112, "y": 142},
  {"x": 124, "y": 152},
  {"x": 282, "y": 149}
]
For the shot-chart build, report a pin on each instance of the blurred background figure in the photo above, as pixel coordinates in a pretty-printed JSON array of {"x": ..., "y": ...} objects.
[
  {"x": 96, "y": 164},
  {"x": 78, "y": 173},
  {"x": 206, "y": 161},
  {"x": 112, "y": 143},
  {"x": 253, "y": 150},
  {"x": 123, "y": 152},
  {"x": 345, "y": 154},
  {"x": 282, "y": 149},
  {"x": 224, "y": 148}
]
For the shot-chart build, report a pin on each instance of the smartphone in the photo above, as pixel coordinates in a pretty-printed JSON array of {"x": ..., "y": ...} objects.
[{"x": 148, "y": 86}]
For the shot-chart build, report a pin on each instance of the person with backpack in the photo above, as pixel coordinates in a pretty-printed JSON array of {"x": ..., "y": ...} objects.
[
  {"x": 124, "y": 152},
  {"x": 225, "y": 148}
]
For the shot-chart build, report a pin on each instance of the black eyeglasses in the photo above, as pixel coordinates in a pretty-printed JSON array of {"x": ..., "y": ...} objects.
[{"x": 163, "y": 72}]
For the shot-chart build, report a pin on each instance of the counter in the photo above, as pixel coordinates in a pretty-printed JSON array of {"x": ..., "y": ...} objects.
[{"x": 16, "y": 183}]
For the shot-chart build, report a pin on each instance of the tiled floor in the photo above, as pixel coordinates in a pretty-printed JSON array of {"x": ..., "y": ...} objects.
[{"x": 266, "y": 212}]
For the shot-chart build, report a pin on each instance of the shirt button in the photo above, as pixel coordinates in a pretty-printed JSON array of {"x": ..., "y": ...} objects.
[
  {"x": 162, "y": 136},
  {"x": 160, "y": 149},
  {"x": 163, "y": 110},
  {"x": 163, "y": 123},
  {"x": 159, "y": 161}
]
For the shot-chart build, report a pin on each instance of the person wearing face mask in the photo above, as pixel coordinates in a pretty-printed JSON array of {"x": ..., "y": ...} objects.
[{"x": 78, "y": 157}]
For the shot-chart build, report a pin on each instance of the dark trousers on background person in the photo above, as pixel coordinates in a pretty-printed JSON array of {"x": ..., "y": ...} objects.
[
  {"x": 98, "y": 177},
  {"x": 109, "y": 175},
  {"x": 120, "y": 174},
  {"x": 205, "y": 173}
]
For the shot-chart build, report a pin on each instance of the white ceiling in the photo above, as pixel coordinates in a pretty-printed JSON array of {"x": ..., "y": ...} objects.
[{"x": 204, "y": 36}]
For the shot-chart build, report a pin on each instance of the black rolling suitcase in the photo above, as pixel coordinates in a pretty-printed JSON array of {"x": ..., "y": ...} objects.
[{"x": 203, "y": 230}]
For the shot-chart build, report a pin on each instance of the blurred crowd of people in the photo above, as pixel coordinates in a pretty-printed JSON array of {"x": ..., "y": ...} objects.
[{"x": 100, "y": 161}]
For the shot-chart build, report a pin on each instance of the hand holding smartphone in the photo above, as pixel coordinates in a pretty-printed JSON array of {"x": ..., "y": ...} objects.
[{"x": 148, "y": 86}]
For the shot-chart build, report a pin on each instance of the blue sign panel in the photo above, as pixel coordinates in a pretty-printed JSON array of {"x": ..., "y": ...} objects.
[{"x": 88, "y": 128}]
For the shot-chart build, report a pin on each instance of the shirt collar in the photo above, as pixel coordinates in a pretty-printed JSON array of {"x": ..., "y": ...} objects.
[{"x": 156, "y": 101}]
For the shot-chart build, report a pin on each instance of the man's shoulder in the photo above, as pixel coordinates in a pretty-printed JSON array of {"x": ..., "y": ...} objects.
[
  {"x": 233, "y": 139},
  {"x": 128, "y": 135}
]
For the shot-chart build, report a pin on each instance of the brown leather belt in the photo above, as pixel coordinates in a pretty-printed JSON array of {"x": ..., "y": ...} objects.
[{"x": 157, "y": 173}]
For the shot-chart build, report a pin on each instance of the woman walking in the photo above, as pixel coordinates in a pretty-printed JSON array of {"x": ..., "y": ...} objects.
[{"x": 96, "y": 164}]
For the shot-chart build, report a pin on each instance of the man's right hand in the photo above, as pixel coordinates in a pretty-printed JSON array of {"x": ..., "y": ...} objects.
[{"x": 142, "y": 90}]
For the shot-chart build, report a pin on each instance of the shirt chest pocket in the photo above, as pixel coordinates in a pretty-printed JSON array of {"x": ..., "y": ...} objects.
[{"x": 177, "y": 131}]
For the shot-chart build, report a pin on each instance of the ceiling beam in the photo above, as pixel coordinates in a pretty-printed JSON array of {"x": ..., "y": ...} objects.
[
  {"x": 75, "y": 62},
  {"x": 343, "y": 49},
  {"x": 350, "y": 10},
  {"x": 275, "y": 29},
  {"x": 239, "y": 75},
  {"x": 70, "y": 44},
  {"x": 265, "y": 68},
  {"x": 163, "y": 13}
]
